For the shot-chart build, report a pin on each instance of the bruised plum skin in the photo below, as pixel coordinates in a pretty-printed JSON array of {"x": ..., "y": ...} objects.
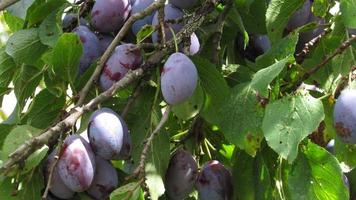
[
  {"x": 181, "y": 175},
  {"x": 120, "y": 62},
  {"x": 214, "y": 182},
  {"x": 178, "y": 79},
  {"x": 105, "y": 179},
  {"x": 106, "y": 132},
  {"x": 170, "y": 13},
  {"x": 345, "y": 116},
  {"x": 183, "y": 4},
  {"x": 300, "y": 17},
  {"x": 109, "y": 15},
  {"x": 137, "y": 7},
  {"x": 76, "y": 164},
  {"x": 91, "y": 48},
  {"x": 58, "y": 188}
]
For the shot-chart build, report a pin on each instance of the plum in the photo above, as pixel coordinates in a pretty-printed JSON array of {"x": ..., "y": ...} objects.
[
  {"x": 104, "y": 41},
  {"x": 178, "y": 79},
  {"x": 76, "y": 164},
  {"x": 72, "y": 19},
  {"x": 170, "y": 13},
  {"x": 106, "y": 132},
  {"x": 194, "y": 44},
  {"x": 214, "y": 182},
  {"x": 105, "y": 179},
  {"x": 346, "y": 181},
  {"x": 109, "y": 15},
  {"x": 137, "y": 7},
  {"x": 345, "y": 116},
  {"x": 120, "y": 62},
  {"x": 330, "y": 146},
  {"x": 300, "y": 17},
  {"x": 57, "y": 188},
  {"x": 183, "y": 4},
  {"x": 181, "y": 175},
  {"x": 257, "y": 45},
  {"x": 91, "y": 48}
]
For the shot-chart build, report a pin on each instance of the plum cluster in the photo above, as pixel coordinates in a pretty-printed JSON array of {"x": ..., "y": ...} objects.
[
  {"x": 84, "y": 160},
  {"x": 213, "y": 182}
]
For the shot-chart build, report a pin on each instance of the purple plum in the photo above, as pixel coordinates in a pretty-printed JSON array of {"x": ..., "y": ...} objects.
[{"x": 137, "y": 7}]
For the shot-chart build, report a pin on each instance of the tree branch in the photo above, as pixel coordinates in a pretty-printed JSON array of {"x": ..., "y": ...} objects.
[
  {"x": 154, "y": 6},
  {"x": 6, "y": 3},
  {"x": 52, "y": 133}
]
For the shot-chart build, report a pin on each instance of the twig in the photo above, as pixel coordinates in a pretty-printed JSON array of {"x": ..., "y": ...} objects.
[
  {"x": 141, "y": 167},
  {"x": 219, "y": 29},
  {"x": 6, "y": 3},
  {"x": 161, "y": 30},
  {"x": 339, "y": 50},
  {"x": 132, "y": 99},
  {"x": 127, "y": 26}
]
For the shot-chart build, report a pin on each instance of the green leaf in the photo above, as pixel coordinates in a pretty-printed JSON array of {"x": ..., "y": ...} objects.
[
  {"x": 13, "y": 22},
  {"x": 50, "y": 30},
  {"x": 40, "y": 9},
  {"x": 345, "y": 153},
  {"x": 45, "y": 109},
  {"x": 144, "y": 33},
  {"x": 7, "y": 68},
  {"x": 289, "y": 120},
  {"x": 5, "y": 129},
  {"x": 130, "y": 191},
  {"x": 320, "y": 7},
  {"x": 316, "y": 174},
  {"x": 17, "y": 137},
  {"x": 25, "y": 46},
  {"x": 66, "y": 56},
  {"x": 214, "y": 86},
  {"x": 19, "y": 9},
  {"x": 26, "y": 83},
  {"x": 348, "y": 13},
  {"x": 277, "y": 16},
  {"x": 254, "y": 18}
]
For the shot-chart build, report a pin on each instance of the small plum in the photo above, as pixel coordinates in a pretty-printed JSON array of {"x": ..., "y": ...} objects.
[
  {"x": 72, "y": 18},
  {"x": 194, "y": 44},
  {"x": 104, "y": 41},
  {"x": 183, "y": 4},
  {"x": 108, "y": 16},
  {"x": 106, "y": 132},
  {"x": 76, "y": 164},
  {"x": 58, "y": 188},
  {"x": 257, "y": 45},
  {"x": 137, "y": 7},
  {"x": 120, "y": 62},
  {"x": 181, "y": 175},
  {"x": 91, "y": 48},
  {"x": 178, "y": 79},
  {"x": 170, "y": 13},
  {"x": 105, "y": 179},
  {"x": 345, "y": 116},
  {"x": 300, "y": 17},
  {"x": 214, "y": 182}
]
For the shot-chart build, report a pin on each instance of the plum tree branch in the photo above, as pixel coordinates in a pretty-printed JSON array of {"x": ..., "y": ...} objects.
[
  {"x": 52, "y": 133},
  {"x": 126, "y": 27},
  {"x": 6, "y": 3}
]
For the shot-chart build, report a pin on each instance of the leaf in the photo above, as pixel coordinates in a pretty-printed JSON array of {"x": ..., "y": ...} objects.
[
  {"x": 289, "y": 120},
  {"x": 277, "y": 16},
  {"x": 13, "y": 22},
  {"x": 26, "y": 82},
  {"x": 254, "y": 18},
  {"x": 19, "y": 9},
  {"x": 45, "y": 109},
  {"x": 5, "y": 129},
  {"x": 214, "y": 86},
  {"x": 40, "y": 9},
  {"x": 316, "y": 174},
  {"x": 7, "y": 68},
  {"x": 66, "y": 56},
  {"x": 145, "y": 32},
  {"x": 320, "y": 7},
  {"x": 348, "y": 13},
  {"x": 25, "y": 46},
  {"x": 50, "y": 30},
  {"x": 345, "y": 153},
  {"x": 130, "y": 191},
  {"x": 17, "y": 137}
]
